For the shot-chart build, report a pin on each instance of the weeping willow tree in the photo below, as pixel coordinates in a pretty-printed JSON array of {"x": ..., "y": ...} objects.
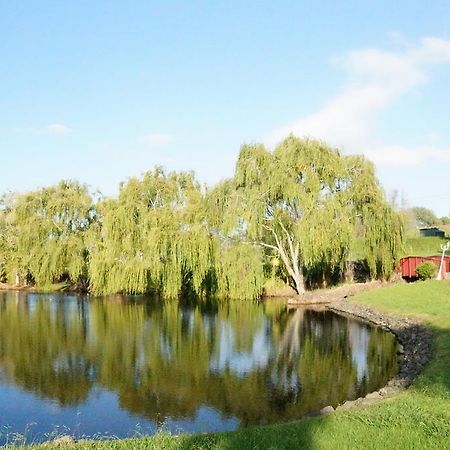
[
  {"x": 153, "y": 236},
  {"x": 238, "y": 267},
  {"x": 156, "y": 236},
  {"x": 43, "y": 234},
  {"x": 380, "y": 227},
  {"x": 238, "y": 270},
  {"x": 302, "y": 204},
  {"x": 298, "y": 207},
  {"x": 7, "y": 235}
]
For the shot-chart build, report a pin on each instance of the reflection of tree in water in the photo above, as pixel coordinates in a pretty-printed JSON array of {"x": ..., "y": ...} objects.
[
  {"x": 284, "y": 379},
  {"x": 314, "y": 349},
  {"x": 259, "y": 363},
  {"x": 42, "y": 351},
  {"x": 381, "y": 359}
]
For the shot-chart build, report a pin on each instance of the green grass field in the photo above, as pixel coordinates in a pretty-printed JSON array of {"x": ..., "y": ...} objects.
[
  {"x": 423, "y": 246},
  {"x": 419, "y": 418},
  {"x": 413, "y": 246}
]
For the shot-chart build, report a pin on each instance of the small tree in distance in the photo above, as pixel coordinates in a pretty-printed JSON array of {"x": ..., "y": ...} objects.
[
  {"x": 425, "y": 217},
  {"x": 426, "y": 270}
]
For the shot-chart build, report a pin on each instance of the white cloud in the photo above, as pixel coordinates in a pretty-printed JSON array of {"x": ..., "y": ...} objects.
[
  {"x": 57, "y": 129},
  {"x": 397, "y": 155},
  {"x": 54, "y": 129},
  {"x": 376, "y": 79},
  {"x": 432, "y": 50},
  {"x": 344, "y": 121},
  {"x": 156, "y": 139}
]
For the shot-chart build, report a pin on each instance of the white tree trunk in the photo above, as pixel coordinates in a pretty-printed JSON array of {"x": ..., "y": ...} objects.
[
  {"x": 290, "y": 255},
  {"x": 299, "y": 283}
]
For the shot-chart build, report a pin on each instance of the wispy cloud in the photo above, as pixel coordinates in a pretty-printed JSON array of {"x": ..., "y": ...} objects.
[
  {"x": 54, "y": 129},
  {"x": 156, "y": 139},
  {"x": 397, "y": 155},
  {"x": 57, "y": 129},
  {"x": 376, "y": 79}
]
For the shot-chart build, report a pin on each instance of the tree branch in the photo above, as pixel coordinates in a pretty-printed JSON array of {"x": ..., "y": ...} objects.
[
  {"x": 289, "y": 238},
  {"x": 267, "y": 245}
]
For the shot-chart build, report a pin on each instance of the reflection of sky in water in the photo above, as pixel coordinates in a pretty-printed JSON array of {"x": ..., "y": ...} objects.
[
  {"x": 206, "y": 418},
  {"x": 40, "y": 418},
  {"x": 208, "y": 322},
  {"x": 117, "y": 387},
  {"x": 358, "y": 336},
  {"x": 241, "y": 363},
  {"x": 165, "y": 348},
  {"x": 31, "y": 417}
]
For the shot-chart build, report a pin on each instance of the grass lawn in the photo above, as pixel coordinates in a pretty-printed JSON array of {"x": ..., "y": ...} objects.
[
  {"x": 419, "y": 418},
  {"x": 413, "y": 246},
  {"x": 423, "y": 246}
]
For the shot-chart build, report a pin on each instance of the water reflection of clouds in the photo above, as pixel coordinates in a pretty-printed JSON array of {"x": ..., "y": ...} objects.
[
  {"x": 123, "y": 363},
  {"x": 165, "y": 348},
  {"x": 64, "y": 304},
  {"x": 240, "y": 362},
  {"x": 207, "y": 419},
  {"x": 358, "y": 336}
]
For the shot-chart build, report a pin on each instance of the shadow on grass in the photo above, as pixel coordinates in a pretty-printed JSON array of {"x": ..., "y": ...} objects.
[
  {"x": 434, "y": 380},
  {"x": 292, "y": 435}
]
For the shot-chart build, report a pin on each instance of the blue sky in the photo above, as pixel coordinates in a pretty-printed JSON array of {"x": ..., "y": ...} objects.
[{"x": 101, "y": 91}]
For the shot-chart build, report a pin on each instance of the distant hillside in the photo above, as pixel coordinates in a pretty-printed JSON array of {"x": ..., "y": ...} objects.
[
  {"x": 423, "y": 246},
  {"x": 414, "y": 246}
]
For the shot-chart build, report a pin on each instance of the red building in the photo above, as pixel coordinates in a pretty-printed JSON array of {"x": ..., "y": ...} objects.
[{"x": 409, "y": 264}]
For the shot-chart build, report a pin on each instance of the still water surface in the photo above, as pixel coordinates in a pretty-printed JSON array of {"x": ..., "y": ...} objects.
[{"x": 120, "y": 366}]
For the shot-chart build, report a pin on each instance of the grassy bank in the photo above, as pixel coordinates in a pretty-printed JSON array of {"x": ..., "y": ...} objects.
[
  {"x": 423, "y": 246},
  {"x": 413, "y": 246},
  {"x": 419, "y": 418}
]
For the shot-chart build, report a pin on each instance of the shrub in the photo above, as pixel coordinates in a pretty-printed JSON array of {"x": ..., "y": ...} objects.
[{"x": 426, "y": 270}]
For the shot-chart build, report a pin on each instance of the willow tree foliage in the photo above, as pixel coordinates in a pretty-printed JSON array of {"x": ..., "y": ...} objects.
[
  {"x": 295, "y": 209},
  {"x": 152, "y": 236},
  {"x": 380, "y": 227},
  {"x": 304, "y": 203},
  {"x": 156, "y": 237},
  {"x": 43, "y": 234},
  {"x": 239, "y": 267},
  {"x": 7, "y": 235}
]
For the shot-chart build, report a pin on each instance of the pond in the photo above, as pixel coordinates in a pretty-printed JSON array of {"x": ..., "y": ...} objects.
[{"x": 121, "y": 366}]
